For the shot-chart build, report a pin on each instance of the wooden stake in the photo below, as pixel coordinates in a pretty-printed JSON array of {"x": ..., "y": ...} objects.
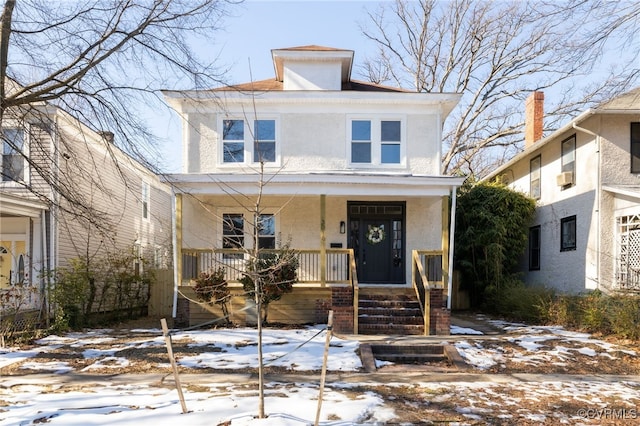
[
  {"x": 324, "y": 365},
  {"x": 167, "y": 339}
]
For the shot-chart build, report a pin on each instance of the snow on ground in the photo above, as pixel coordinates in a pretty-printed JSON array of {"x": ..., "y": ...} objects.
[{"x": 299, "y": 350}]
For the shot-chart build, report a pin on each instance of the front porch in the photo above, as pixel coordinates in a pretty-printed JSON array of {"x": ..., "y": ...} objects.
[{"x": 327, "y": 280}]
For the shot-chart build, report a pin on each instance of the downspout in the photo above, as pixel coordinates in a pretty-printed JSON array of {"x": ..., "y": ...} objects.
[
  {"x": 452, "y": 233},
  {"x": 177, "y": 269},
  {"x": 598, "y": 198}
]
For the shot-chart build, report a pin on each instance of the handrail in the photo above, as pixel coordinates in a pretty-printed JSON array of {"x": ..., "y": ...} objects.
[
  {"x": 356, "y": 289},
  {"x": 422, "y": 289}
]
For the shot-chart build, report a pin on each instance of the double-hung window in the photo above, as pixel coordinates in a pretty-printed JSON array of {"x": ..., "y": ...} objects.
[
  {"x": 13, "y": 155},
  {"x": 568, "y": 233},
  {"x": 569, "y": 159},
  {"x": 266, "y": 231},
  {"x": 248, "y": 141},
  {"x": 233, "y": 141},
  {"x": 534, "y": 178},
  {"x": 376, "y": 142}
]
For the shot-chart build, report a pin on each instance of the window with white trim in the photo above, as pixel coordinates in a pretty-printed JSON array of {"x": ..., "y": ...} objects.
[
  {"x": 245, "y": 141},
  {"x": 376, "y": 141},
  {"x": 13, "y": 159}
]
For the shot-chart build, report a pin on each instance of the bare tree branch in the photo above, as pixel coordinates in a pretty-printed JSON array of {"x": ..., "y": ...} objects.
[{"x": 495, "y": 54}]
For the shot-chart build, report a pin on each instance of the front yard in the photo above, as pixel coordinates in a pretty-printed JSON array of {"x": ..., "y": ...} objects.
[{"x": 524, "y": 375}]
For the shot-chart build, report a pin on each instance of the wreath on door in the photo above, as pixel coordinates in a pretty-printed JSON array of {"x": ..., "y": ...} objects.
[{"x": 375, "y": 234}]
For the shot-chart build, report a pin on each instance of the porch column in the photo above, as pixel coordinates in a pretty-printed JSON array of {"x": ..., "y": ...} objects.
[
  {"x": 323, "y": 240},
  {"x": 445, "y": 246},
  {"x": 177, "y": 249},
  {"x": 451, "y": 244}
]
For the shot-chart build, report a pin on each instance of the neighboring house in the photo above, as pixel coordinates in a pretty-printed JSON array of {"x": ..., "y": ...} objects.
[
  {"x": 352, "y": 171},
  {"x": 586, "y": 179},
  {"x": 111, "y": 203}
]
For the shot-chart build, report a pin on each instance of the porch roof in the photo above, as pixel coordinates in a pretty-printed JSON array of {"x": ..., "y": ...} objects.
[
  {"x": 15, "y": 205},
  {"x": 632, "y": 191},
  {"x": 346, "y": 184}
]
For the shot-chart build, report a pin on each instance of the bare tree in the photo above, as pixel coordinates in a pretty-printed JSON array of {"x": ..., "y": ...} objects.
[
  {"x": 495, "y": 54},
  {"x": 103, "y": 62}
]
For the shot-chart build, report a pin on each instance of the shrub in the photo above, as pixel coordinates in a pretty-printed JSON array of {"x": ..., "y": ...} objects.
[
  {"x": 519, "y": 302},
  {"x": 274, "y": 274},
  {"x": 212, "y": 288},
  {"x": 89, "y": 288},
  {"x": 492, "y": 225}
]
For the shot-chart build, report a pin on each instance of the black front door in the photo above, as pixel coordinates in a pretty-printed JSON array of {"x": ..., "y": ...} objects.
[{"x": 377, "y": 237}]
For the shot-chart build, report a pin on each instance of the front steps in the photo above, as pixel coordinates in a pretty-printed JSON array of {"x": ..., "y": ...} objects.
[{"x": 390, "y": 313}]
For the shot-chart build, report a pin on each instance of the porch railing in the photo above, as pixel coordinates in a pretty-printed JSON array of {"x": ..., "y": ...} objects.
[
  {"x": 426, "y": 273},
  {"x": 338, "y": 267}
]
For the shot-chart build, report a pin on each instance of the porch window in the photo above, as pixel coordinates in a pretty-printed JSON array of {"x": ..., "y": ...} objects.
[
  {"x": 534, "y": 177},
  {"x": 635, "y": 148},
  {"x": 233, "y": 141},
  {"x": 12, "y": 155},
  {"x": 534, "y": 248},
  {"x": 569, "y": 159},
  {"x": 361, "y": 141},
  {"x": 265, "y": 141},
  {"x": 232, "y": 231},
  {"x": 568, "y": 233},
  {"x": 266, "y": 231}
]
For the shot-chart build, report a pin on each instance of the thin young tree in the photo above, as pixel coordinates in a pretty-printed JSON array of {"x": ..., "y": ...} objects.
[{"x": 495, "y": 54}]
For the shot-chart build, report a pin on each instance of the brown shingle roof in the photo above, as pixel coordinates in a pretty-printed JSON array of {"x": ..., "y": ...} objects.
[{"x": 274, "y": 85}]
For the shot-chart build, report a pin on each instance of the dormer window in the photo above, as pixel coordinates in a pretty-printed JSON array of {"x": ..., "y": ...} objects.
[{"x": 376, "y": 142}]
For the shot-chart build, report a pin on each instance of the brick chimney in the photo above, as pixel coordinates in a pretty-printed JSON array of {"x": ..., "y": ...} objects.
[{"x": 534, "y": 115}]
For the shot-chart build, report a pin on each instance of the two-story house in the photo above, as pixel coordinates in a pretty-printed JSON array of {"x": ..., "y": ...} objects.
[
  {"x": 585, "y": 178},
  {"x": 348, "y": 173},
  {"x": 66, "y": 192}
]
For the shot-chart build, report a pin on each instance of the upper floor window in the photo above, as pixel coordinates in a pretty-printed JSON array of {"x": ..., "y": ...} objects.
[
  {"x": 568, "y": 233},
  {"x": 534, "y": 177},
  {"x": 145, "y": 196},
  {"x": 241, "y": 143},
  {"x": 12, "y": 155},
  {"x": 635, "y": 148},
  {"x": 376, "y": 141},
  {"x": 233, "y": 141},
  {"x": 569, "y": 160}
]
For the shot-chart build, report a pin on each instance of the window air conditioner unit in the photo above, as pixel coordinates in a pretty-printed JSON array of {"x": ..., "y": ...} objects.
[{"x": 565, "y": 178}]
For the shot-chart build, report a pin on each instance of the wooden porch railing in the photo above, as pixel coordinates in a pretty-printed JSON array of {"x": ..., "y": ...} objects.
[
  {"x": 426, "y": 272},
  {"x": 340, "y": 265}
]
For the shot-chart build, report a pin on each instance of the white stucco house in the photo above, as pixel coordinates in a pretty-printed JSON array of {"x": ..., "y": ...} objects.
[
  {"x": 346, "y": 172},
  {"x": 67, "y": 191},
  {"x": 585, "y": 177}
]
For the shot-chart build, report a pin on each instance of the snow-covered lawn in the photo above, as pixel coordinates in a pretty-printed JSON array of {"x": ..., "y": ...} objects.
[{"x": 44, "y": 383}]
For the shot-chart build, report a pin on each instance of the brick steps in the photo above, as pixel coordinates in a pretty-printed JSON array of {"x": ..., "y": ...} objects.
[{"x": 389, "y": 314}]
